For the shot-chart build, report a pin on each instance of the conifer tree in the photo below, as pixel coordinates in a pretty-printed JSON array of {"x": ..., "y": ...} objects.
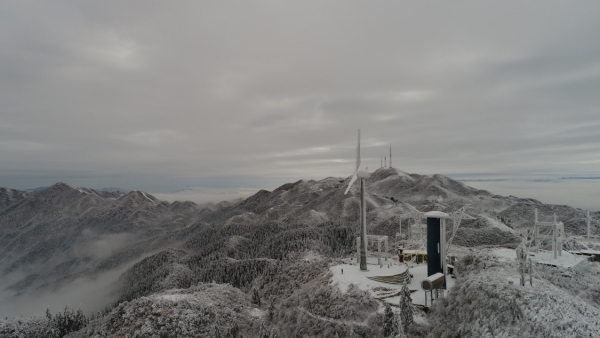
[
  {"x": 255, "y": 297},
  {"x": 80, "y": 320},
  {"x": 400, "y": 331},
  {"x": 271, "y": 310},
  {"x": 406, "y": 307},
  {"x": 390, "y": 325},
  {"x": 263, "y": 331},
  {"x": 233, "y": 330}
]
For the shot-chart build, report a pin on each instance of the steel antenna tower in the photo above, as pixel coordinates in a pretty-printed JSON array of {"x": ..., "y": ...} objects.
[{"x": 390, "y": 154}]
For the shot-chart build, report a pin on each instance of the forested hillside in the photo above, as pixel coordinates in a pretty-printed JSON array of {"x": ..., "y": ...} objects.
[{"x": 258, "y": 266}]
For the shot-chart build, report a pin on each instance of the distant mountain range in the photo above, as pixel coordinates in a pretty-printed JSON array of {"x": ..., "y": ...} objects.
[
  {"x": 52, "y": 237},
  {"x": 103, "y": 189}
]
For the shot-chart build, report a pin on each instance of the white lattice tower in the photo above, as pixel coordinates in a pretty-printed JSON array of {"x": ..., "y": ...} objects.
[
  {"x": 554, "y": 231},
  {"x": 457, "y": 218}
]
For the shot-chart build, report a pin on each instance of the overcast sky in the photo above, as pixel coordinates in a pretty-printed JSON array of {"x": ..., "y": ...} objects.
[{"x": 159, "y": 95}]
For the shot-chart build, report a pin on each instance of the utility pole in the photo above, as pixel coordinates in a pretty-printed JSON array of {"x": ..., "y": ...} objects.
[
  {"x": 554, "y": 248},
  {"x": 363, "y": 227},
  {"x": 535, "y": 230},
  {"x": 390, "y": 154}
]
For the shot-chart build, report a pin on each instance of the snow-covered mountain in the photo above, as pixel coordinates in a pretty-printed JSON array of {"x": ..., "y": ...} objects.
[
  {"x": 61, "y": 236},
  {"x": 10, "y": 196}
]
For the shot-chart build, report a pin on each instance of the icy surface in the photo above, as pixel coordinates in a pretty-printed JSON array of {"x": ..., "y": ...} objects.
[
  {"x": 353, "y": 275},
  {"x": 488, "y": 300},
  {"x": 504, "y": 254},
  {"x": 306, "y": 224},
  {"x": 567, "y": 259},
  {"x": 436, "y": 214},
  {"x": 497, "y": 224}
]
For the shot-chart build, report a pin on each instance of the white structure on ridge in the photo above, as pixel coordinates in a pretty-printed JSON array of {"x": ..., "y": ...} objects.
[
  {"x": 554, "y": 231},
  {"x": 457, "y": 218},
  {"x": 375, "y": 239},
  {"x": 417, "y": 230},
  {"x": 363, "y": 175}
]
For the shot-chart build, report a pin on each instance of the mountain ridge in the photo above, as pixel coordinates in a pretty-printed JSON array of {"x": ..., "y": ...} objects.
[{"x": 51, "y": 237}]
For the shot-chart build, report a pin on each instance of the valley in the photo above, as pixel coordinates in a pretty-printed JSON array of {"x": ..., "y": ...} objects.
[{"x": 126, "y": 258}]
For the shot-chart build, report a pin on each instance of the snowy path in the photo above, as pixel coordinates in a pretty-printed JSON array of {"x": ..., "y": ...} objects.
[{"x": 370, "y": 199}]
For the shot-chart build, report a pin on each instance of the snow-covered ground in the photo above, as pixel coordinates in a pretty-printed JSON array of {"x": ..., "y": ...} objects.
[
  {"x": 353, "y": 275},
  {"x": 585, "y": 240},
  {"x": 504, "y": 254},
  {"x": 256, "y": 312},
  {"x": 566, "y": 260},
  {"x": 497, "y": 224},
  {"x": 488, "y": 300},
  {"x": 590, "y": 252},
  {"x": 312, "y": 256},
  {"x": 419, "y": 273}
]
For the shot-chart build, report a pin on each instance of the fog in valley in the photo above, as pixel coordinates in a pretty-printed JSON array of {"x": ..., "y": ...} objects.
[{"x": 180, "y": 168}]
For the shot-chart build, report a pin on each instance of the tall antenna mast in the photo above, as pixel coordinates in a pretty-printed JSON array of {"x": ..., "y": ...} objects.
[
  {"x": 382, "y": 161},
  {"x": 385, "y": 161},
  {"x": 363, "y": 175},
  {"x": 390, "y": 154}
]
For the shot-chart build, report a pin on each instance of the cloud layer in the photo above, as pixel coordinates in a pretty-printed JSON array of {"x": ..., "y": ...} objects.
[{"x": 228, "y": 94}]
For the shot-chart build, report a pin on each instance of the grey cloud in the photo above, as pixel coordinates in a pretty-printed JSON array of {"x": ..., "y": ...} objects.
[
  {"x": 159, "y": 96},
  {"x": 92, "y": 294}
]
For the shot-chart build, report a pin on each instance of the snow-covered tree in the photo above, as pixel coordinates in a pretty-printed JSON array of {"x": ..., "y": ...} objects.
[
  {"x": 522, "y": 254},
  {"x": 400, "y": 329},
  {"x": 274, "y": 334},
  {"x": 406, "y": 307},
  {"x": 271, "y": 312},
  {"x": 390, "y": 325},
  {"x": 63, "y": 323},
  {"x": 255, "y": 297},
  {"x": 233, "y": 330},
  {"x": 263, "y": 333}
]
